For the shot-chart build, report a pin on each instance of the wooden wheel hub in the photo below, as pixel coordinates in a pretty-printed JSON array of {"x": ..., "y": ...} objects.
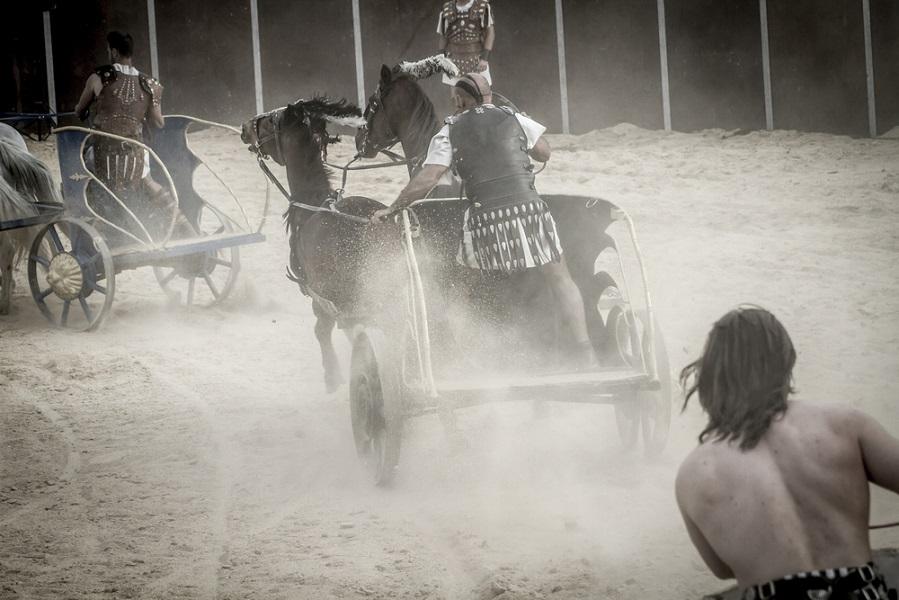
[{"x": 65, "y": 276}]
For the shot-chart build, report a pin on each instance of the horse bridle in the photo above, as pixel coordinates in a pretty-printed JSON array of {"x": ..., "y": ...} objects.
[
  {"x": 275, "y": 117},
  {"x": 375, "y": 103}
]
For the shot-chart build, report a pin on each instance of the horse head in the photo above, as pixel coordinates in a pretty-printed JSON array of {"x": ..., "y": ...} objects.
[
  {"x": 385, "y": 111},
  {"x": 301, "y": 126}
]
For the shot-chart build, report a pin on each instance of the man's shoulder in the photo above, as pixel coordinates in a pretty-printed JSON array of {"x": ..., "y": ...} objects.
[
  {"x": 710, "y": 459},
  {"x": 106, "y": 73},
  {"x": 480, "y": 6},
  {"x": 804, "y": 413}
]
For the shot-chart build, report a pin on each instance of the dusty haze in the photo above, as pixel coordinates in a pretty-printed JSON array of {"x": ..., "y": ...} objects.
[{"x": 196, "y": 455}]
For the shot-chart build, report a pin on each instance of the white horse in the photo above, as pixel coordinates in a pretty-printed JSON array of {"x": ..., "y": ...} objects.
[{"x": 23, "y": 181}]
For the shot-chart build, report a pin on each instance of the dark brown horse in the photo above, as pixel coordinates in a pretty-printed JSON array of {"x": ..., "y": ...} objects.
[
  {"x": 332, "y": 246},
  {"x": 400, "y": 112}
]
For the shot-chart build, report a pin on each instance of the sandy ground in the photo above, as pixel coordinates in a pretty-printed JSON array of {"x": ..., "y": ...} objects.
[{"x": 178, "y": 454}]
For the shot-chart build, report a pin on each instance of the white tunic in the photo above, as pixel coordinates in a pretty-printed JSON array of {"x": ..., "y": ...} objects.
[{"x": 440, "y": 151}]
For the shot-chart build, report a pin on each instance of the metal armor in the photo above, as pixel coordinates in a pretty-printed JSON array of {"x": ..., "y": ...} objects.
[
  {"x": 121, "y": 108},
  {"x": 465, "y": 34},
  {"x": 124, "y": 101},
  {"x": 490, "y": 154}
]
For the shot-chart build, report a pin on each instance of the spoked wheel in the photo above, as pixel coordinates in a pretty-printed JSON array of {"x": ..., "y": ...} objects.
[
  {"x": 376, "y": 406},
  {"x": 71, "y": 274},
  {"x": 649, "y": 412},
  {"x": 205, "y": 278}
]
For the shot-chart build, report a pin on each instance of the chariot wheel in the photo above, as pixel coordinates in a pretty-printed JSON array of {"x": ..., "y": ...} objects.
[
  {"x": 648, "y": 413},
  {"x": 205, "y": 278},
  {"x": 376, "y": 405},
  {"x": 71, "y": 274}
]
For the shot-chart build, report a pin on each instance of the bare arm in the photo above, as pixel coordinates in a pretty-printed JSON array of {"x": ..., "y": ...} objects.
[
  {"x": 541, "y": 150},
  {"x": 718, "y": 567},
  {"x": 420, "y": 185},
  {"x": 154, "y": 116},
  {"x": 880, "y": 452},
  {"x": 416, "y": 189},
  {"x": 489, "y": 38},
  {"x": 441, "y": 45},
  {"x": 91, "y": 90}
]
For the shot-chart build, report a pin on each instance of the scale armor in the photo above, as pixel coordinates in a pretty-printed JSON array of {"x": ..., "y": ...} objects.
[
  {"x": 511, "y": 227},
  {"x": 121, "y": 108},
  {"x": 464, "y": 32}
]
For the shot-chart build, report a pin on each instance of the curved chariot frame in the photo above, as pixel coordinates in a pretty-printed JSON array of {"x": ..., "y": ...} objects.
[{"x": 74, "y": 259}]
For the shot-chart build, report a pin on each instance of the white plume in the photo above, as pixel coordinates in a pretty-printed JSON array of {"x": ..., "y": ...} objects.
[{"x": 426, "y": 67}]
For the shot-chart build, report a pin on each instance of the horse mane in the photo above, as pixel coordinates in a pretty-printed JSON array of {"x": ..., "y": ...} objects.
[
  {"x": 339, "y": 112},
  {"x": 23, "y": 180},
  {"x": 427, "y": 67}
]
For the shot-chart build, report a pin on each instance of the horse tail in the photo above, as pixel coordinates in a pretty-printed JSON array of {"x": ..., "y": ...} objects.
[{"x": 23, "y": 180}]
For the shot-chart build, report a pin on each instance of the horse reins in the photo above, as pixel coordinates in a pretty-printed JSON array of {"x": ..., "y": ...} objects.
[{"x": 261, "y": 157}]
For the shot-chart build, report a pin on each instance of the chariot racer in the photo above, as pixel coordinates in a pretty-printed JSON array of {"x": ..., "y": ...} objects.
[
  {"x": 124, "y": 99},
  {"x": 508, "y": 227},
  {"x": 467, "y": 36}
]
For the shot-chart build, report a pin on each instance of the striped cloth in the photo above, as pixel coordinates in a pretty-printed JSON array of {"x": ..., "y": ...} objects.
[{"x": 512, "y": 238}]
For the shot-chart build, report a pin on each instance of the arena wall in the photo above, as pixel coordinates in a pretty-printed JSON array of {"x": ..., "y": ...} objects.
[
  {"x": 614, "y": 67},
  {"x": 715, "y": 64},
  {"x": 613, "y": 63},
  {"x": 885, "y": 34},
  {"x": 818, "y": 66}
]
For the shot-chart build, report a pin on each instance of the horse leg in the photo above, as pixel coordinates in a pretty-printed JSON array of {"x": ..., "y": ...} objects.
[{"x": 324, "y": 325}]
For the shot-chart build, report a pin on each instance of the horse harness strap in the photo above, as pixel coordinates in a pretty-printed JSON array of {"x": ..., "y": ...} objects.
[
  {"x": 275, "y": 116},
  {"x": 271, "y": 176}
]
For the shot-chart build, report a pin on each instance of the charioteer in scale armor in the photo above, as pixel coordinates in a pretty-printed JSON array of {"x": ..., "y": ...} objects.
[
  {"x": 507, "y": 226},
  {"x": 466, "y": 36},
  {"x": 123, "y": 98}
]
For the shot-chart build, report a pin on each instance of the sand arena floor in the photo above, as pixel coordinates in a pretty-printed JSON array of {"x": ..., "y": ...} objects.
[{"x": 197, "y": 455}]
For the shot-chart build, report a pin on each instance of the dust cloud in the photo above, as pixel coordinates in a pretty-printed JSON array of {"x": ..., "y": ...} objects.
[{"x": 196, "y": 454}]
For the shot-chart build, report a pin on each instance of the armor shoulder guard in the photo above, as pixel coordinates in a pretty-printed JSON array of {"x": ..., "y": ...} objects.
[
  {"x": 479, "y": 8},
  {"x": 107, "y": 74},
  {"x": 448, "y": 8},
  {"x": 152, "y": 87}
]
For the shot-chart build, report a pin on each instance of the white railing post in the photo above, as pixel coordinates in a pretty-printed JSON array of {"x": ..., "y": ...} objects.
[
  {"x": 154, "y": 53},
  {"x": 766, "y": 64},
  {"x": 48, "y": 55},
  {"x": 563, "y": 73},
  {"x": 663, "y": 59},
  {"x": 869, "y": 69},
  {"x": 357, "y": 43},
  {"x": 257, "y": 58}
]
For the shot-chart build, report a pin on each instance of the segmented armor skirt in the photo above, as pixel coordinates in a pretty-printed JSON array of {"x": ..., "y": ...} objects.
[
  {"x": 119, "y": 165},
  {"x": 512, "y": 238}
]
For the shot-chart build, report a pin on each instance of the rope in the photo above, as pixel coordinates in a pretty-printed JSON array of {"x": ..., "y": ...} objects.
[
  {"x": 331, "y": 211},
  {"x": 25, "y": 116},
  {"x": 884, "y": 525},
  {"x": 301, "y": 205}
]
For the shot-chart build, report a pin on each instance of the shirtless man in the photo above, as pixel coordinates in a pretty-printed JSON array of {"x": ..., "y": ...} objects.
[{"x": 776, "y": 495}]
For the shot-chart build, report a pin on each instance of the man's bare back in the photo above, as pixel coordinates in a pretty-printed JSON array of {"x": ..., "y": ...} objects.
[{"x": 796, "y": 502}]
